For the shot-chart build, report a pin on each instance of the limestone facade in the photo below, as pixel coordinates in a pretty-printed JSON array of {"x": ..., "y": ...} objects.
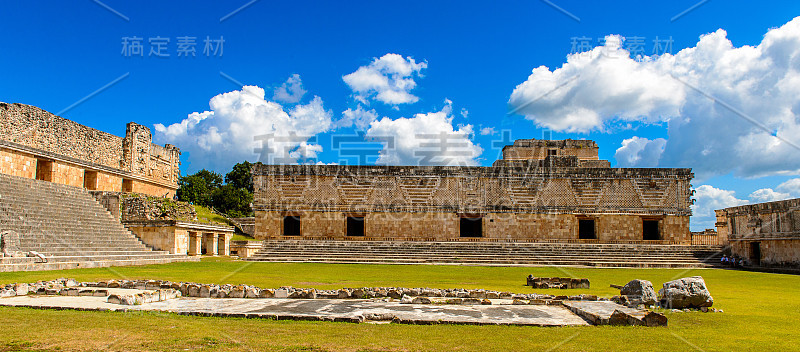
[
  {"x": 763, "y": 233},
  {"x": 568, "y": 195},
  {"x": 37, "y": 144}
]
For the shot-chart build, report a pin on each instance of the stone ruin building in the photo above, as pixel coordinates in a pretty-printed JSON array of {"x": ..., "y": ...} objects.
[
  {"x": 541, "y": 190},
  {"x": 36, "y": 144},
  {"x": 54, "y": 175},
  {"x": 765, "y": 234}
]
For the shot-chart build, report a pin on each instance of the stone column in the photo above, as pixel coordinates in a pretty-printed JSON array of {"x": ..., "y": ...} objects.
[
  {"x": 195, "y": 243},
  {"x": 214, "y": 248},
  {"x": 224, "y": 244}
]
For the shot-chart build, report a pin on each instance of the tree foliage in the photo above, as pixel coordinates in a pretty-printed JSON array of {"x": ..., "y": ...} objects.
[
  {"x": 206, "y": 188},
  {"x": 240, "y": 176}
]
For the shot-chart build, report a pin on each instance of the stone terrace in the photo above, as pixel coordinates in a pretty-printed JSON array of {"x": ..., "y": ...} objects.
[
  {"x": 68, "y": 227},
  {"x": 483, "y": 253}
]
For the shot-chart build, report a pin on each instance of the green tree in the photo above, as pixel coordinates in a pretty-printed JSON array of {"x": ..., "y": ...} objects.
[
  {"x": 240, "y": 176},
  {"x": 213, "y": 179},
  {"x": 194, "y": 189},
  {"x": 233, "y": 201}
]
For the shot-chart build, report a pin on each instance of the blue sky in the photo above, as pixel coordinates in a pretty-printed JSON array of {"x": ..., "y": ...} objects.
[{"x": 464, "y": 62}]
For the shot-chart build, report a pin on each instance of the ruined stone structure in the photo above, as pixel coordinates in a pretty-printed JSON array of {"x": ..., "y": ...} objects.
[
  {"x": 36, "y": 144},
  {"x": 167, "y": 225},
  {"x": 763, "y": 233},
  {"x": 540, "y": 190}
]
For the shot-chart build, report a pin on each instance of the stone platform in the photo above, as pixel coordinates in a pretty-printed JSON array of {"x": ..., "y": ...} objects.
[{"x": 324, "y": 310}]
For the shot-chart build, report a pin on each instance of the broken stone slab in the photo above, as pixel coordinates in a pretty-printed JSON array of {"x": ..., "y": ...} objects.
[
  {"x": 688, "y": 292},
  {"x": 610, "y": 313},
  {"x": 641, "y": 318}
]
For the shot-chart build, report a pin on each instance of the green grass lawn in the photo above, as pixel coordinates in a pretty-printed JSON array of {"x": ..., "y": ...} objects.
[
  {"x": 207, "y": 216},
  {"x": 762, "y": 312}
]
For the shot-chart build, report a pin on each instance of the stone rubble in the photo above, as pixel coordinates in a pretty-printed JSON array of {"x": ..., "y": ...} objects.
[{"x": 557, "y": 282}]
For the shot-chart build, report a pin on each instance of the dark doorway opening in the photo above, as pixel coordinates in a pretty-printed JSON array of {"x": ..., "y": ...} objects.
[
  {"x": 127, "y": 186},
  {"x": 44, "y": 170},
  {"x": 755, "y": 253},
  {"x": 355, "y": 226},
  {"x": 471, "y": 227},
  {"x": 586, "y": 229},
  {"x": 90, "y": 180},
  {"x": 650, "y": 230},
  {"x": 291, "y": 226}
]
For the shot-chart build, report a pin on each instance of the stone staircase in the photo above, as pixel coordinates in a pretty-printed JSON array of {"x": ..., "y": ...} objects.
[
  {"x": 69, "y": 228},
  {"x": 490, "y": 253}
]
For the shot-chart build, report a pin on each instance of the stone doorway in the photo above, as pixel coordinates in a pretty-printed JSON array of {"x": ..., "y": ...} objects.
[
  {"x": 355, "y": 226},
  {"x": 44, "y": 170},
  {"x": 755, "y": 253},
  {"x": 650, "y": 230},
  {"x": 586, "y": 229},
  {"x": 291, "y": 225},
  {"x": 90, "y": 180},
  {"x": 471, "y": 226}
]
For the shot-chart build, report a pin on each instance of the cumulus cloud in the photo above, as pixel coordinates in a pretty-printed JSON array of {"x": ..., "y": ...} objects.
[
  {"x": 791, "y": 186},
  {"x": 388, "y": 79},
  {"x": 425, "y": 139},
  {"x": 767, "y": 195},
  {"x": 359, "y": 117},
  {"x": 291, "y": 91},
  {"x": 640, "y": 152},
  {"x": 595, "y": 90},
  {"x": 226, "y": 134},
  {"x": 487, "y": 131},
  {"x": 785, "y": 190},
  {"x": 709, "y": 199}
]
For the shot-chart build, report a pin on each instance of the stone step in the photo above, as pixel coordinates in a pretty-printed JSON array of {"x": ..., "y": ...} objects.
[
  {"x": 69, "y": 227},
  {"x": 484, "y": 262},
  {"x": 469, "y": 255},
  {"x": 493, "y": 253}
]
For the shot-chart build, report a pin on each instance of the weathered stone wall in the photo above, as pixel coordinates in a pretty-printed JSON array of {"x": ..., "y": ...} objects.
[
  {"x": 140, "y": 207},
  {"x": 773, "y": 226},
  {"x": 537, "y": 149},
  {"x": 29, "y": 135},
  {"x": 17, "y": 164},
  {"x": 36, "y": 128},
  {"x": 518, "y": 200},
  {"x": 445, "y": 226}
]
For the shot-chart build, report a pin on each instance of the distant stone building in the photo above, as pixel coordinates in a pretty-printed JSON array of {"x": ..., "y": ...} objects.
[
  {"x": 540, "y": 190},
  {"x": 763, "y": 233},
  {"x": 39, "y": 145}
]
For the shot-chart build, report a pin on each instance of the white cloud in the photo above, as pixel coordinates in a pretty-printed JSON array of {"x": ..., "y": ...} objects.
[
  {"x": 640, "y": 152},
  {"x": 486, "y": 131},
  {"x": 464, "y": 113},
  {"x": 224, "y": 135},
  {"x": 359, "y": 117},
  {"x": 709, "y": 199},
  {"x": 411, "y": 135},
  {"x": 602, "y": 88},
  {"x": 291, "y": 91},
  {"x": 791, "y": 186},
  {"x": 785, "y": 190},
  {"x": 767, "y": 195},
  {"x": 388, "y": 79}
]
